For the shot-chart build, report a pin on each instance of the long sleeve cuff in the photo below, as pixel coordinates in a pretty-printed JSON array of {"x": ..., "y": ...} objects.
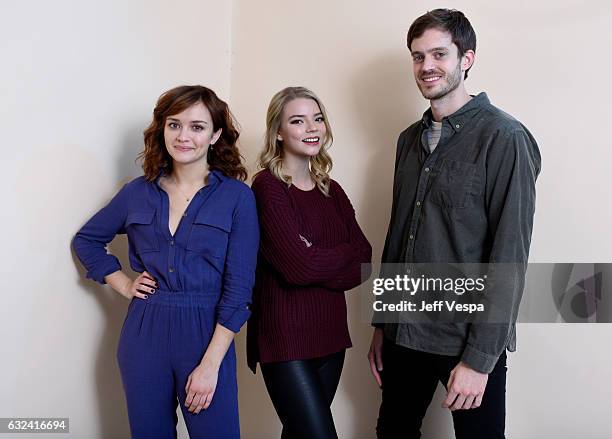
[
  {"x": 233, "y": 317},
  {"x": 478, "y": 360},
  {"x": 100, "y": 271}
]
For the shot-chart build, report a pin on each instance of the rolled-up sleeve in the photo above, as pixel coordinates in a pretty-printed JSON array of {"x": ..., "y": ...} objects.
[
  {"x": 90, "y": 242},
  {"x": 241, "y": 260}
]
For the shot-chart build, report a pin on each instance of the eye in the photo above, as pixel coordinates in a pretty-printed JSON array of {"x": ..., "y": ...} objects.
[
  {"x": 173, "y": 125},
  {"x": 439, "y": 55},
  {"x": 197, "y": 128},
  {"x": 417, "y": 58},
  {"x": 296, "y": 121},
  {"x": 320, "y": 119}
]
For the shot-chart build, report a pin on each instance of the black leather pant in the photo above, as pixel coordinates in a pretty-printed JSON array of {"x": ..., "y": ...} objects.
[{"x": 302, "y": 392}]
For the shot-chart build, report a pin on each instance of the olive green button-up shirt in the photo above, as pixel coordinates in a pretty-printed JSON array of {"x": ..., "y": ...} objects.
[{"x": 471, "y": 200}]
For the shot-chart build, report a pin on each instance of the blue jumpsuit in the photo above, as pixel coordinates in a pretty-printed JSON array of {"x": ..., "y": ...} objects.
[{"x": 205, "y": 274}]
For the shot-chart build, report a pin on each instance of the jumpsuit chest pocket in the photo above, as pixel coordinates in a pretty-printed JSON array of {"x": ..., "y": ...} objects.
[
  {"x": 140, "y": 229},
  {"x": 452, "y": 184},
  {"x": 210, "y": 234}
]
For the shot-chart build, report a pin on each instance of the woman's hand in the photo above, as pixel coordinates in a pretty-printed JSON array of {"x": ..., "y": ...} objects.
[
  {"x": 202, "y": 382},
  {"x": 140, "y": 287},
  {"x": 200, "y": 387}
]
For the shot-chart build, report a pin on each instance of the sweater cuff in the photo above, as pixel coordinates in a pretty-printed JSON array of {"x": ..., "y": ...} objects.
[
  {"x": 99, "y": 273},
  {"x": 478, "y": 360},
  {"x": 233, "y": 317}
]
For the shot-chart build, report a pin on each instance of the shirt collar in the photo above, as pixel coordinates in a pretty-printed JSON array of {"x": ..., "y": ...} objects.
[{"x": 462, "y": 115}]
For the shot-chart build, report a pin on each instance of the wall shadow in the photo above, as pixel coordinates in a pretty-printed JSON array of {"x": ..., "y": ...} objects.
[
  {"x": 258, "y": 419},
  {"x": 385, "y": 101},
  {"x": 112, "y": 408}
]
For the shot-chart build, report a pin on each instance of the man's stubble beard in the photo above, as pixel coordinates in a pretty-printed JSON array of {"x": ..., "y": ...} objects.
[{"x": 453, "y": 81}]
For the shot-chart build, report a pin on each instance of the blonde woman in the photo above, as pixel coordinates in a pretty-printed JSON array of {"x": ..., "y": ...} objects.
[{"x": 311, "y": 251}]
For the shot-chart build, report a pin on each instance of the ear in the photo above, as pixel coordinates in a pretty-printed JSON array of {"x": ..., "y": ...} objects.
[
  {"x": 467, "y": 60},
  {"x": 216, "y": 136},
  {"x": 279, "y": 137}
]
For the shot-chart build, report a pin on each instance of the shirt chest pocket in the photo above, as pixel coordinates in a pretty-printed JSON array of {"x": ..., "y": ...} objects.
[
  {"x": 210, "y": 234},
  {"x": 140, "y": 229},
  {"x": 453, "y": 183}
]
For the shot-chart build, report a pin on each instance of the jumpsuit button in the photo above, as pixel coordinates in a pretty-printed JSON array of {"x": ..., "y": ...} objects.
[
  {"x": 418, "y": 203},
  {"x": 171, "y": 242},
  {"x": 411, "y": 236},
  {"x": 171, "y": 270},
  {"x": 426, "y": 169}
]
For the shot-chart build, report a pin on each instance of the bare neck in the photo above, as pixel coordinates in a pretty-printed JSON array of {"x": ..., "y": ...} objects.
[
  {"x": 297, "y": 168},
  {"x": 192, "y": 175}
]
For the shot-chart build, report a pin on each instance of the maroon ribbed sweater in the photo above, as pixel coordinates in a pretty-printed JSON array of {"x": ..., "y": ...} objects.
[{"x": 311, "y": 251}]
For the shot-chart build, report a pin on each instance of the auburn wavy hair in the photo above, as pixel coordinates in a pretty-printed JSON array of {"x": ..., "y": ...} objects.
[
  {"x": 224, "y": 156},
  {"x": 272, "y": 155}
]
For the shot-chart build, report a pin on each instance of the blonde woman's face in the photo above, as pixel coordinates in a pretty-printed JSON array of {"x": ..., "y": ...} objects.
[{"x": 302, "y": 130}]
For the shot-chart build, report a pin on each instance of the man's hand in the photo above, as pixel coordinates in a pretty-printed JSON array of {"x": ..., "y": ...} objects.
[
  {"x": 465, "y": 388},
  {"x": 375, "y": 355}
]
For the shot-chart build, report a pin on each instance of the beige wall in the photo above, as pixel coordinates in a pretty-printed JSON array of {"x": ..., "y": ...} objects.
[
  {"x": 545, "y": 63},
  {"x": 78, "y": 84}
]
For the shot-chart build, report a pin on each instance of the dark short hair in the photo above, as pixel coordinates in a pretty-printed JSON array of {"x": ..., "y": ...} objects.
[
  {"x": 449, "y": 20},
  {"x": 225, "y": 155}
]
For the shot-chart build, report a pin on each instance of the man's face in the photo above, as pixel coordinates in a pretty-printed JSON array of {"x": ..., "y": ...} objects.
[{"x": 436, "y": 64}]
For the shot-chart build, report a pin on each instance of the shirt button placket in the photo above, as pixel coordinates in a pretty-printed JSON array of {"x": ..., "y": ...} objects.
[
  {"x": 171, "y": 260},
  {"x": 417, "y": 211}
]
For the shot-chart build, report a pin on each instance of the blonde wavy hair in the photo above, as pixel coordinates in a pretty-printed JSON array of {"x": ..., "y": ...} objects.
[{"x": 272, "y": 155}]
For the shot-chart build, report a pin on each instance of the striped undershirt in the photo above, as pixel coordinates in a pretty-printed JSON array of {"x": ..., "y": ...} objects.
[{"x": 433, "y": 135}]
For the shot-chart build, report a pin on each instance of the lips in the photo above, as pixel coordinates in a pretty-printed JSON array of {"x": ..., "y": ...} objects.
[
  {"x": 431, "y": 79},
  {"x": 311, "y": 140},
  {"x": 183, "y": 149}
]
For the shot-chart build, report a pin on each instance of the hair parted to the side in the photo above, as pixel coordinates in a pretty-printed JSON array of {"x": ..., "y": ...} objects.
[
  {"x": 223, "y": 156},
  {"x": 450, "y": 20},
  {"x": 272, "y": 155}
]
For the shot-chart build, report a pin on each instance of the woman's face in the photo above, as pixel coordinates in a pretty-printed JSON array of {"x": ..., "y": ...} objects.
[
  {"x": 302, "y": 129},
  {"x": 188, "y": 134}
]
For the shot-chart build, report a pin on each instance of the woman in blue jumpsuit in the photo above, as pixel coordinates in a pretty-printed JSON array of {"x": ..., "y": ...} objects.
[{"x": 193, "y": 237}]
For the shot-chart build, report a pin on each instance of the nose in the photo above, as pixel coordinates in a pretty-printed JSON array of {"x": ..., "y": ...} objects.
[
  {"x": 428, "y": 63},
  {"x": 181, "y": 136},
  {"x": 311, "y": 126}
]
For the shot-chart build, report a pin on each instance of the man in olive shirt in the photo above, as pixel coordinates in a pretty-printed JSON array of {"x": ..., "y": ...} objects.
[{"x": 464, "y": 192}]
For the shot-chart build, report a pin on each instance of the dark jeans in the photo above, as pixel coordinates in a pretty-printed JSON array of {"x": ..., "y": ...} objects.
[
  {"x": 410, "y": 379},
  {"x": 302, "y": 392}
]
